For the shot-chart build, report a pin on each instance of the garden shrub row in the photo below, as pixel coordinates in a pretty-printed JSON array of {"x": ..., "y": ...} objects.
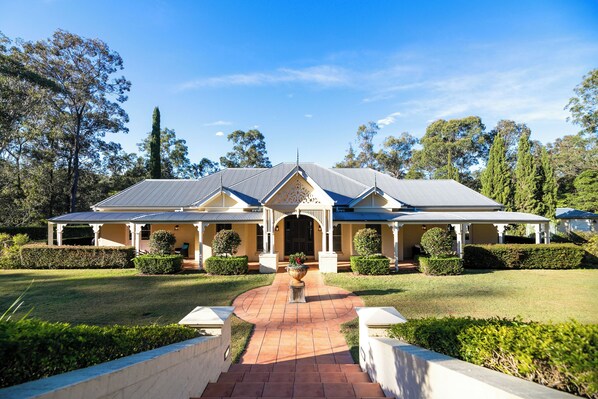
[
  {"x": 39, "y": 233},
  {"x": 33, "y": 349},
  {"x": 440, "y": 266},
  {"x": 227, "y": 265},
  {"x": 370, "y": 265},
  {"x": 562, "y": 356},
  {"x": 523, "y": 256},
  {"x": 158, "y": 264},
  {"x": 39, "y": 256}
]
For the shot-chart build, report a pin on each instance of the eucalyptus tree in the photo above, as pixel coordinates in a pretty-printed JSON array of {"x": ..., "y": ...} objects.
[
  {"x": 249, "y": 150},
  {"x": 395, "y": 156},
  {"x": 584, "y": 105}
]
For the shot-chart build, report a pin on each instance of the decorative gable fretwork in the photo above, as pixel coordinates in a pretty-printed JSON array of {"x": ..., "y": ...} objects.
[{"x": 296, "y": 192}]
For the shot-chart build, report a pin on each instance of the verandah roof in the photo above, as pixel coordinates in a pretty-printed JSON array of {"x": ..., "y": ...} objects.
[{"x": 234, "y": 217}]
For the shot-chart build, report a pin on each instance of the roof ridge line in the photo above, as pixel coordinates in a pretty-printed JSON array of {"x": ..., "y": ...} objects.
[{"x": 331, "y": 170}]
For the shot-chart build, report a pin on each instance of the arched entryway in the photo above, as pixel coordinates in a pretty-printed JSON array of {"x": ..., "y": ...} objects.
[{"x": 299, "y": 235}]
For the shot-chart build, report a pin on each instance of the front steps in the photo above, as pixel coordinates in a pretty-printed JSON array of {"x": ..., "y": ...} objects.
[{"x": 282, "y": 380}]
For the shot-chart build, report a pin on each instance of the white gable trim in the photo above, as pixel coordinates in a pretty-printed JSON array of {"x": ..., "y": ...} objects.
[
  {"x": 392, "y": 203},
  {"x": 321, "y": 194},
  {"x": 214, "y": 194}
]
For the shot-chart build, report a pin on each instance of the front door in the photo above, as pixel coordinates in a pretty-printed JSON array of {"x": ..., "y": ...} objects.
[{"x": 299, "y": 235}]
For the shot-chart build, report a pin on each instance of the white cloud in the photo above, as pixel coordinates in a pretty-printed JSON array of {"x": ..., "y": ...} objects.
[
  {"x": 219, "y": 133},
  {"x": 218, "y": 123},
  {"x": 320, "y": 75},
  {"x": 389, "y": 120},
  {"x": 308, "y": 116}
]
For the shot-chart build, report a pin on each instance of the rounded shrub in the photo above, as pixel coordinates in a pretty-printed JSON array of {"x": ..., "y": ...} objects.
[
  {"x": 437, "y": 243},
  {"x": 367, "y": 242},
  {"x": 162, "y": 242},
  {"x": 227, "y": 265},
  {"x": 158, "y": 264},
  {"x": 226, "y": 242}
]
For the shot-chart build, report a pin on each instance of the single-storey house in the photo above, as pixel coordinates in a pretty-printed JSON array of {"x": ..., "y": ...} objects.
[
  {"x": 569, "y": 220},
  {"x": 297, "y": 207}
]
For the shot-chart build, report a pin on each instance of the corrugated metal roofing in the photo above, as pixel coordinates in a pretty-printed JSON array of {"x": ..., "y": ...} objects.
[
  {"x": 570, "y": 213},
  {"x": 158, "y": 217},
  {"x": 252, "y": 185},
  {"x": 99, "y": 217},
  {"x": 439, "y": 217}
]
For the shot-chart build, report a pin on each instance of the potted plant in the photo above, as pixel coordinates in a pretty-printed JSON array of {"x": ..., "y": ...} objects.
[{"x": 297, "y": 268}]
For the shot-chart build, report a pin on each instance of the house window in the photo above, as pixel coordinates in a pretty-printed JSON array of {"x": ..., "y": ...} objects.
[
  {"x": 145, "y": 232},
  {"x": 259, "y": 233},
  {"x": 225, "y": 226},
  {"x": 337, "y": 238},
  {"x": 377, "y": 227}
]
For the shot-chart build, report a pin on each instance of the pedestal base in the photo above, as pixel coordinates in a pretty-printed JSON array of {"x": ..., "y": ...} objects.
[{"x": 297, "y": 293}]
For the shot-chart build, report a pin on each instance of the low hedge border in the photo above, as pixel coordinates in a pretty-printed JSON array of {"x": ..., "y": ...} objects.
[
  {"x": 33, "y": 349},
  {"x": 370, "y": 265},
  {"x": 440, "y": 266},
  {"x": 158, "y": 264},
  {"x": 37, "y": 233},
  {"x": 40, "y": 256},
  {"x": 562, "y": 356},
  {"x": 523, "y": 256},
  {"x": 227, "y": 265}
]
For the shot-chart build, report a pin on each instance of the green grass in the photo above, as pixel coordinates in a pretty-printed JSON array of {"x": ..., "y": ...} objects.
[
  {"x": 538, "y": 295},
  {"x": 106, "y": 297}
]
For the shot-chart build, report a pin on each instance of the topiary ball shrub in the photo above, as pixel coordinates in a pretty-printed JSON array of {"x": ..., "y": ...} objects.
[
  {"x": 162, "y": 242},
  {"x": 367, "y": 242},
  {"x": 440, "y": 266},
  {"x": 437, "y": 243},
  {"x": 226, "y": 243},
  {"x": 158, "y": 264},
  {"x": 227, "y": 265}
]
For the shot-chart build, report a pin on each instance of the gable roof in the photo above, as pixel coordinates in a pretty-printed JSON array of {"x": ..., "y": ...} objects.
[
  {"x": 252, "y": 185},
  {"x": 570, "y": 213}
]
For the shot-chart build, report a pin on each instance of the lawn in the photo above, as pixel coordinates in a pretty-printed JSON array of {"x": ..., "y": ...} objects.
[
  {"x": 538, "y": 295},
  {"x": 106, "y": 297}
]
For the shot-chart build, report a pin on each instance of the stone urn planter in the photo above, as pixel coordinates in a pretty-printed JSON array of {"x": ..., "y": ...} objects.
[{"x": 297, "y": 268}]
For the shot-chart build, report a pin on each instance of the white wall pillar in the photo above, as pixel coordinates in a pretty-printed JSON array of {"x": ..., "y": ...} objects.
[
  {"x": 546, "y": 233},
  {"x": 59, "y": 228},
  {"x": 501, "y": 232},
  {"x": 324, "y": 232},
  {"x": 272, "y": 232},
  {"x": 398, "y": 251},
  {"x": 96, "y": 234},
  {"x": 538, "y": 231},
  {"x": 459, "y": 230},
  {"x": 330, "y": 232},
  {"x": 200, "y": 226},
  {"x": 50, "y": 233}
]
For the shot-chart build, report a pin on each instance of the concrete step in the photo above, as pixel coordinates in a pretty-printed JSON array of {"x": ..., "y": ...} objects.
[{"x": 305, "y": 381}]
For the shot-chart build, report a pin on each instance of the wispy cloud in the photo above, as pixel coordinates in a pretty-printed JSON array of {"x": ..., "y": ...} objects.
[
  {"x": 218, "y": 123},
  {"x": 389, "y": 120},
  {"x": 308, "y": 116},
  {"x": 320, "y": 75},
  {"x": 219, "y": 133}
]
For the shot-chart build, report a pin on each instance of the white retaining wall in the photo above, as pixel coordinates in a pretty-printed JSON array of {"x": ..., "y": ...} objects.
[
  {"x": 177, "y": 371},
  {"x": 410, "y": 372}
]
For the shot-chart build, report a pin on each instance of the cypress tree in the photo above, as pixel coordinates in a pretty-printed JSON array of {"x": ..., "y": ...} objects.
[
  {"x": 496, "y": 178},
  {"x": 155, "y": 163},
  {"x": 526, "y": 178},
  {"x": 547, "y": 186}
]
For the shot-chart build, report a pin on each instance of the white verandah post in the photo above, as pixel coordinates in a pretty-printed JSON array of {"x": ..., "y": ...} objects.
[
  {"x": 538, "y": 231},
  {"x": 324, "y": 232},
  {"x": 501, "y": 232},
  {"x": 546, "y": 233},
  {"x": 200, "y": 229},
  {"x": 459, "y": 230},
  {"x": 59, "y": 228},
  {"x": 398, "y": 253},
  {"x": 96, "y": 234},
  {"x": 330, "y": 232}
]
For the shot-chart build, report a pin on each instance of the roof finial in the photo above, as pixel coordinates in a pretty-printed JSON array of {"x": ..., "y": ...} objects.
[
  {"x": 375, "y": 182},
  {"x": 297, "y": 156},
  {"x": 221, "y": 185}
]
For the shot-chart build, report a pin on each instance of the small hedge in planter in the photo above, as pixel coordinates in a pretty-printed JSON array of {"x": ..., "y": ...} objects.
[
  {"x": 372, "y": 265},
  {"x": 524, "y": 256},
  {"x": 159, "y": 264},
  {"x": 227, "y": 265},
  {"x": 440, "y": 266}
]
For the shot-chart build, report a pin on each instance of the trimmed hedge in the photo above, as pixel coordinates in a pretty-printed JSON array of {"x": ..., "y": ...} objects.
[
  {"x": 440, "y": 266},
  {"x": 38, "y": 233},
  {"x": 159, "y": 264},
  {"x": 33, "y": 349},
  {"x": 562, "y": 356},
  {"x": 227, "y": 265},
  {"x": 523, "y": 256},
  {"x": 40, "y": 256},
  {"x": 371, "y": 265}
]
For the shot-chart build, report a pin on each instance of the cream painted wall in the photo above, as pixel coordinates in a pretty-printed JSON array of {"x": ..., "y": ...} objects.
[
  {"x": 483, "y": 234},
  {"x": 113, "y": 235}
]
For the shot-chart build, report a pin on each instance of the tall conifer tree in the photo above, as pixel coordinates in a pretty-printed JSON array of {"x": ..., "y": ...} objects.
[
  {"x": 155, "y": 165},
  {"x": 526, "y": 178},
  {"x": 496, "y": 178},
  {"x": 547, "y": 186}
]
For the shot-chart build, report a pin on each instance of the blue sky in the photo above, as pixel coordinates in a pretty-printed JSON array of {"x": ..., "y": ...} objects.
[{"x": 308, "y": 73}]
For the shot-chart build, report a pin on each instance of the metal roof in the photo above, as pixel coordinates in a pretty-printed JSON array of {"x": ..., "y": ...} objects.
[
  {"x": 440, "y": 217},
  {"x": 253, "y": 184},
  {"x": 158, "y": 217},
  {"x": 570, "y": 213}
]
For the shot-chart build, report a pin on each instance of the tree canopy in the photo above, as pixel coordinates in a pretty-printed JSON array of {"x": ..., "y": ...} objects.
[
  {"x": 249, "y": 150},
  {"x": 584, "y": 105}
]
